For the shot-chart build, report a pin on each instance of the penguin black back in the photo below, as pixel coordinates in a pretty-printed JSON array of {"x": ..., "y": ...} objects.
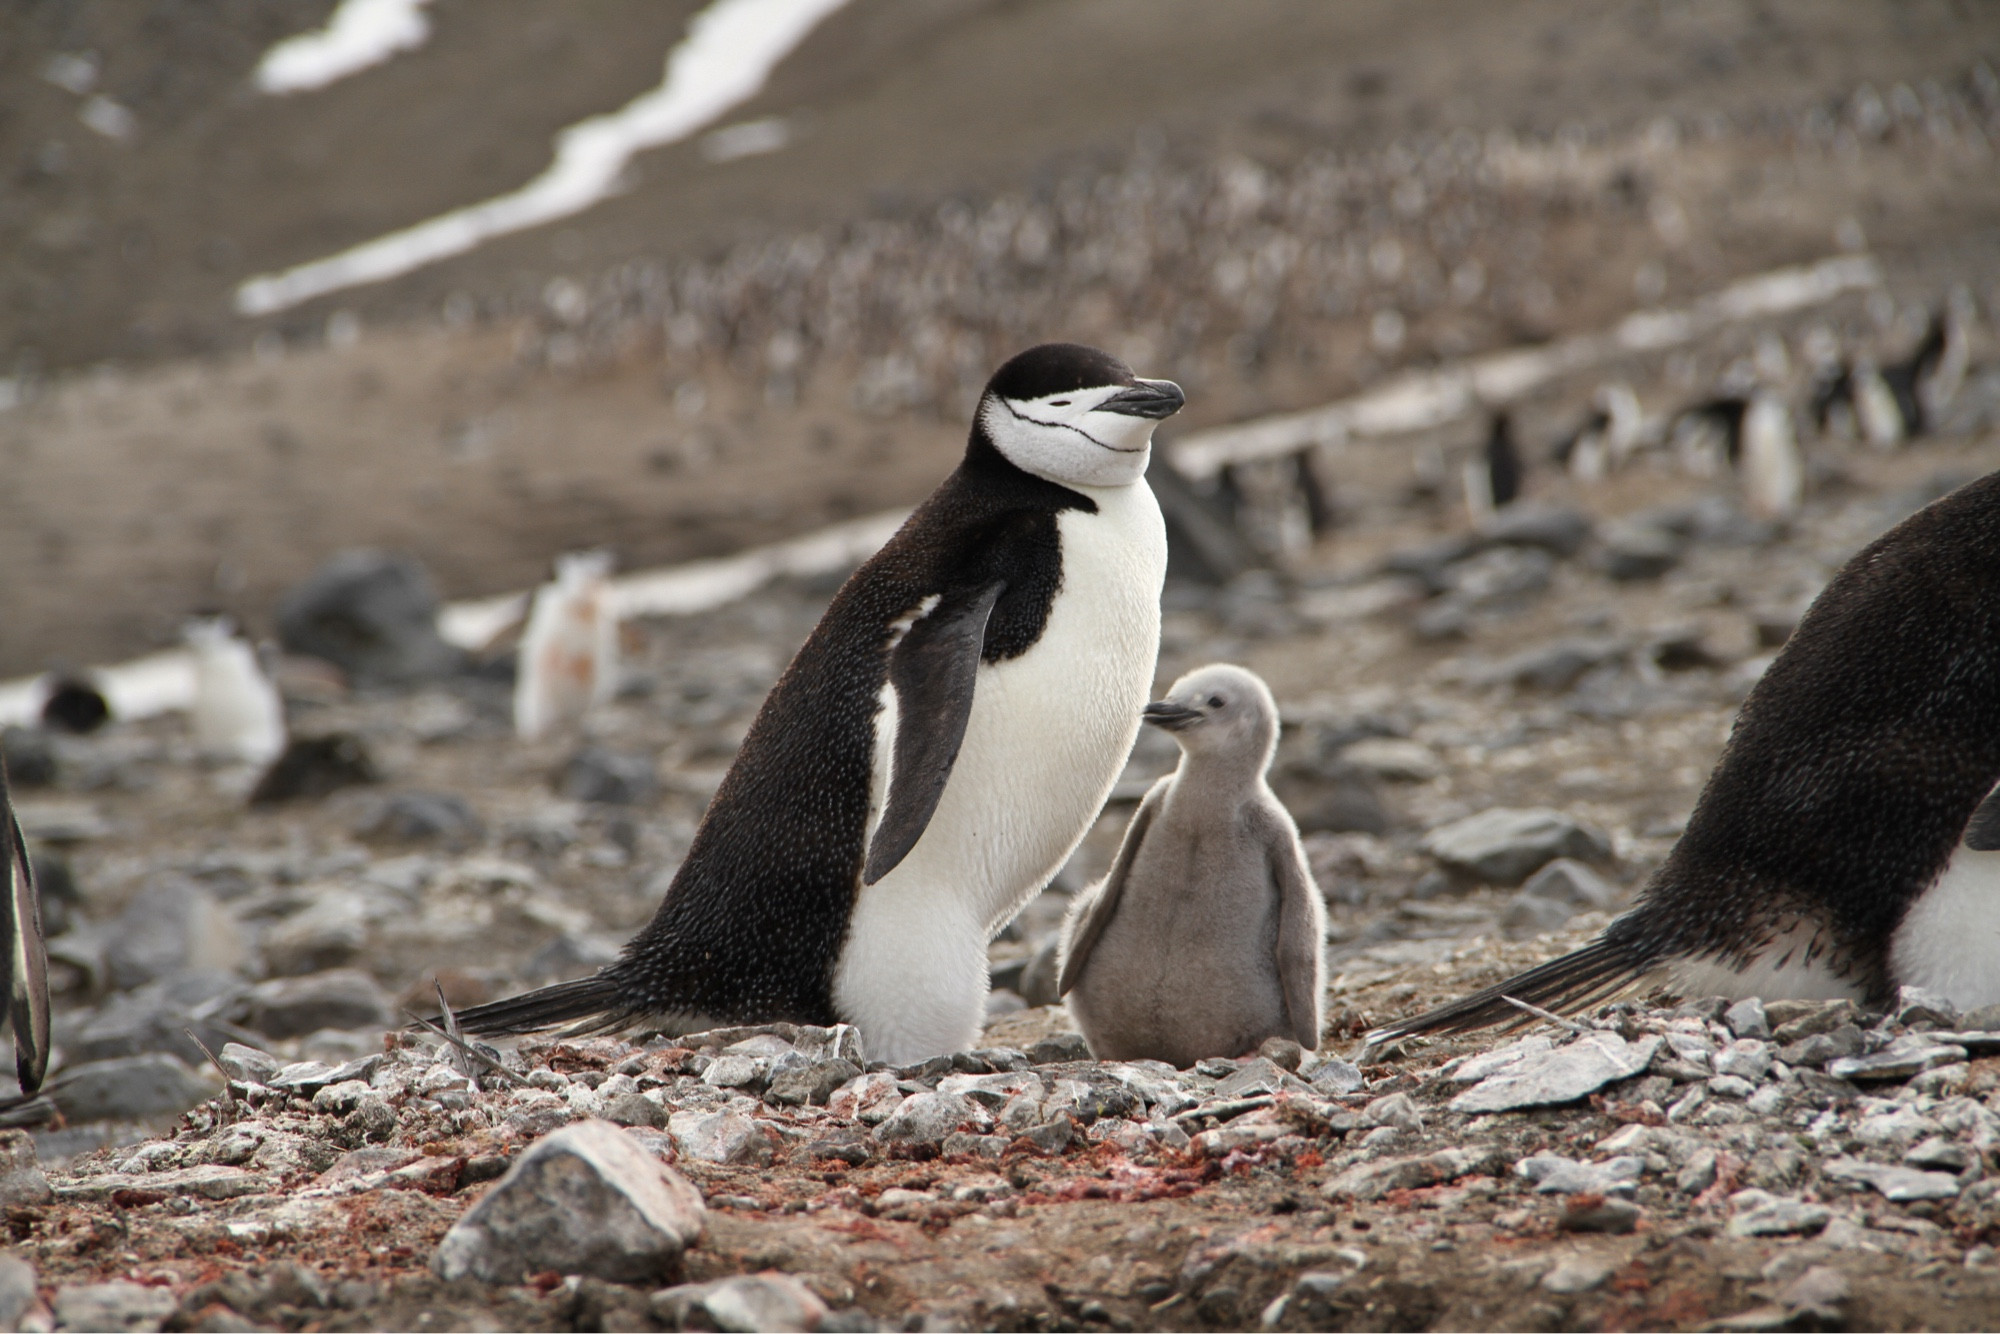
[{"x": 1852, "y": 773}]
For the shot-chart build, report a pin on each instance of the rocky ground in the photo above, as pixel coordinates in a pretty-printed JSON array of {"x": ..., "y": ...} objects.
[
  {"x": 1491, "y": 736},
  {"x": 1493, "y": 732}
]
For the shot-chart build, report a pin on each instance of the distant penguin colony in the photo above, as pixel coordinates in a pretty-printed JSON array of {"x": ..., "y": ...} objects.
[
  {"x": 1848, "y": 842},
  {"x": 1205, "y": 938},
  {"x": 933, "y": 753}
]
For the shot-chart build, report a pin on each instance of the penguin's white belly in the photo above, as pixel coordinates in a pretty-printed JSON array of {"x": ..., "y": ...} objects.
[
  {"x": 1048, "y": 733},
  {"x": 1949, "y": 940}
]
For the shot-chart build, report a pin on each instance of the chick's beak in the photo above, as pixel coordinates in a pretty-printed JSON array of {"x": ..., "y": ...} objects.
[
  {"x": 1146, "y": 398},
  {"x": 1170, "y": 716}
]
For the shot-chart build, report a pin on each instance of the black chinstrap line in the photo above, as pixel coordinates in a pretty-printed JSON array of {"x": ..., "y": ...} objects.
[{"x": 1063, "y": 426}]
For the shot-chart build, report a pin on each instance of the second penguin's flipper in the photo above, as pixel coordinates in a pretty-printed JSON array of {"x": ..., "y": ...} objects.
[
  {"x": 1096, "y": 914},
  {"x": 1301, "y": 936},
  {"x": 932, "y": 671},
  {"x": 27, "y": 956}
]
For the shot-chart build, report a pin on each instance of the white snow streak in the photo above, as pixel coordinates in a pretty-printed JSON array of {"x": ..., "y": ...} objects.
[
  {"x": 731, "y": 47},
  {"x": 360, "y": 33}
]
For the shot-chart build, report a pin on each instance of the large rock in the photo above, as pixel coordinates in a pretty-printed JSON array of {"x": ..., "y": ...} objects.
[
  {"x": 583, "y": 1200},
  {"x": 22, "y": 1180},
  {"x": 129, "y": 1088},
  {"x": 373, "y": 615},
  {"x": 18, "y": 1293},
  {"x": 748, "y": 1302},
  {"x": 1504, "y": 846},
  {"x": 156, "y": 1017},
  {"x": 609, "y": 777},
  {"x": 292, "y": 1007},
  {"x": 114, "y": 1306},
  {"x": 1563, "y": 1074},
  {"x": 172, "y": 925}
]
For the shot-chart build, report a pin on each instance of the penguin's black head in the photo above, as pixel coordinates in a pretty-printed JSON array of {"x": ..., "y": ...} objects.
[{"x": 1075, "y": 415}]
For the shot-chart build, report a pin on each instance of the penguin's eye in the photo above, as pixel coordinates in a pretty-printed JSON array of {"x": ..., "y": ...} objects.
[
  {"x": 1058, "y": 402},
  {"x": 1215, "y": 701}
]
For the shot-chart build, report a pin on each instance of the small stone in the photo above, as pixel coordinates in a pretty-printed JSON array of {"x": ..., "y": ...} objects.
[
  {"x": 1757, "y": 1213},
  {"x": 1899, "y": 1185},
  {"x": 341, "y": 998},
  {"x": 596, "y": 774},
  {"x": 811, "y": 1083},
  {"x": 22, "y": 1181},
  {"x": 1985, "y": 1019},
  {"x": 1731, "y": 1086},
  {"x": 1906, "y": 1056},
  {"x": 736, "y": 1070},
  {"x": 635, "y": 1109},
  {"x": 423, "y": 817},
  {"x": 1746, "y": 1019},
  {"x": 1256, "y": 1077},
  {"x": 1058, "y": 1048},
  {"x": 1915, "y": 1006},
  {"x": 843, "y": 1144},
  {"x": 130, "y": 1088},
  {"x": 1331, "y": 1076},
  {"x": 1940, "y": 1152},
  {"x": 1578, "y": 1273},
  {"x": 1371, "y": 1181},
  {"x": 1503, "y": 846},
  {"x": 18, "y": 1294},
  {"x": 1554, "y": 1174},
  {"x": 1634, "y": 551},
  {"x": 727, "y": 1136},
  {"x": 584, "y": 1200},
  {"x": 928, "y": 1118},
  {"x": 1820, "y": 1295},
  {"x": 1526, "y": 916},
  {"x": 1566, "y": 880},
  {"x": 316, "y": 766},
  {"x": 1051, "y": 1137},
  {"x": 171, "y": 926},
  {"x": 1598, "y": 1213},
  {"x": 985, "y": 1148},
  {"x": 1820, "y": 1048},
  {"x": 372, "y": 614},
  {"x": 1699, "y": 1172},
  {"x": 247, "y": 1064},
  {"x": 1283, "y": 1053},
  {"x": 1398, "y": 1110},
  {"x": 748, "y": 1302},
  {"x": 1394, "y": 759},
  {"x": 30, "y": 757},
  {"x": 1561, "y": 1075},
  {"x": 871, "y": 1098},
  {"x": 1793, "y": 1020},
  {"x": 1559, "y": 530},
  {"x": 114, "y": 1306}
]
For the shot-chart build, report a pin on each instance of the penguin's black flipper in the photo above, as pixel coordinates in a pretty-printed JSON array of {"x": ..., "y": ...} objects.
[
  {"x": 932, "y": 670},
  {"x": 1982, "y": 831},
  {"x": 1581, "y": 978},
  {"x": 27, "y": 956}
]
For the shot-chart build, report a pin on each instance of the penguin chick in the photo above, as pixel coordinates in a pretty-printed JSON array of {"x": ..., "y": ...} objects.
[
  {"x": 238, "y": 715},
  {"x": 1205, "y": 938},
  {"x": 934, "y": 752},
  {"x": 1848, "y": 842},
  {"x": 569, "y": 652}
]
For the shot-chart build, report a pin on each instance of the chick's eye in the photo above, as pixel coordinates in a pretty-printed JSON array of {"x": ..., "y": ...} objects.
[{"x": 1215, "y": 701}]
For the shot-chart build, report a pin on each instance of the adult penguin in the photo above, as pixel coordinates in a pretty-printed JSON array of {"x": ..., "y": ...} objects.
[
  {"x": 933, "y": 753},
  {"x": 1848, "y": 842}
]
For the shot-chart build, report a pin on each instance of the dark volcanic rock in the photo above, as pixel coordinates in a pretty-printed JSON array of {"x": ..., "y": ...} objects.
[
  {"x": 316, "y": 766},
  {"x": 373, "y": 615}
]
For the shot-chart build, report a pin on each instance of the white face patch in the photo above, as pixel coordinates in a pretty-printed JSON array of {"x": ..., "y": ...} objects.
[{"x": 1064, "y": 438}]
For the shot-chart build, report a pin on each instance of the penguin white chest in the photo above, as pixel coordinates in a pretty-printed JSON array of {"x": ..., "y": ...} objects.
[
  {"x": 1048, "y": 733},
  {"x": 1949, "y": 940}
]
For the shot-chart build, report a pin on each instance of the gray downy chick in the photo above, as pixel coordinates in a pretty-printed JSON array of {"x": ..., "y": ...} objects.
[{"x": 1205, "y": 938}]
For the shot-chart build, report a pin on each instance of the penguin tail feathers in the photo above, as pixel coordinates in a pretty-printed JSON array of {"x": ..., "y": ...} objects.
[
  {"x": 1576, "y": 981},
  {"x": 594, "y": 1004}
]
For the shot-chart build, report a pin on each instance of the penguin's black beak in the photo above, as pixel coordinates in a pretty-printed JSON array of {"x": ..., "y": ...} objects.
[
  {"x": 1146, "y": 398},
  {"x": 1172, "y": 717}
]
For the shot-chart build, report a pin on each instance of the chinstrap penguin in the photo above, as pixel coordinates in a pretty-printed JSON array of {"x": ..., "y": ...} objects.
[
  {"x": 238, "y": 715},
  {"x": 933, "y": 753},
  {"x": 1205, "y": 938},
  {"x": 1848, "y": 842}
]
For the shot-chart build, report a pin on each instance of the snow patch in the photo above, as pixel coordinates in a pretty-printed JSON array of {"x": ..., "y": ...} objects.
[
  {"x": 731, "y": 47},
  {"x": 359, "y": 34}
]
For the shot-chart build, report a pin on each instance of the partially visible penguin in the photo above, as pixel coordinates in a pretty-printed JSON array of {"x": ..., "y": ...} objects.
[
  {"x": 24, "y": 959},
  {"x": 1848, "y": 842},
  {"x": 1206, "y": 936},
  {"x": 935, "y": 750},
  {"x": 569, "y": 652},
  {"x": 238, "y": 714}
]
